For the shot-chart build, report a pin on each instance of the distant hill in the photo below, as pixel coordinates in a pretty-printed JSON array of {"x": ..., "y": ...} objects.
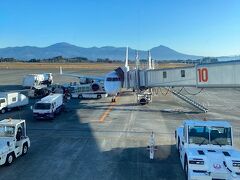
[{"x": 93, "y": 53}]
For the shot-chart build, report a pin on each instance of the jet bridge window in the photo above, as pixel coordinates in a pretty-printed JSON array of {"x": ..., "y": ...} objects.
[
  {"x": 164, "y": 74},
  {"x": 182, "y": 73}
]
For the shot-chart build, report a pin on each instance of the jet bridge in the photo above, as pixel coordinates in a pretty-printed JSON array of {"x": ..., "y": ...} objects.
[{"x": 216, "y": 75}]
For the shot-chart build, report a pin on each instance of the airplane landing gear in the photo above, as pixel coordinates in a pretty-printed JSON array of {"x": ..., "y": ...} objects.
[{"x": 114, "y": 99}]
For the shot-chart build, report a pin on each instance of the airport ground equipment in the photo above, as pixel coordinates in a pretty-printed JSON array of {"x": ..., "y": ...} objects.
[
  {"x": 214, "y": 75},
  {"x": 14, "y": 141},
  {"x": 10, "y": 100},
  {"x": 48, "y": 107},
  {"x": 144, "y": 97},
  {"x": 39, "y": 91},
  {"x": 151, "y": 146},
  {"x": 206, "y": 150},
  {"x": 190, "y": 101},
  {"x": 86, "y": 91},
  {"x": 32, "y": 80}
]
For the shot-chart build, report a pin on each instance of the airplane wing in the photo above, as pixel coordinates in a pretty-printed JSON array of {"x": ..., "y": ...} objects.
[{"x": 82, "y": 76}]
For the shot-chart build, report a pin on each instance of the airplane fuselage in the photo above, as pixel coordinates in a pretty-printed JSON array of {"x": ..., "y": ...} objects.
[{"x": 112, "y": 83}]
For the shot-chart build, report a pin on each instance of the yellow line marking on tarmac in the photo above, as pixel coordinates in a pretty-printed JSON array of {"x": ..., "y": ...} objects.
[{"x": 105, "y": 114}]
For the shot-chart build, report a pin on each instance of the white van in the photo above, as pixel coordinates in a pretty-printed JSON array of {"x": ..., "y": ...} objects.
[
  {"x": 48, "y": 107},
  {"x": 10, "y": 100}
]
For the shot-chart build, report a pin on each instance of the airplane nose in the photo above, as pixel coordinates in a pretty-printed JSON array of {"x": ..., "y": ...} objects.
[{"x": 112, "y": 88}]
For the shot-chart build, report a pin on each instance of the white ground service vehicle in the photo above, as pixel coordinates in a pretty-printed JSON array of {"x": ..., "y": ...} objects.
[
  {"x": 10, "y": 100},
  {"x": 38, "y": 91},
  {"x": 206, "y": 150},
  {"x": 13, "y": 140},
  {"x": 84, "y": 91},
  {"x": 48, "y": 106},
  {"x": 32, "y": 80},
  {"x": 144, "y": 98}
]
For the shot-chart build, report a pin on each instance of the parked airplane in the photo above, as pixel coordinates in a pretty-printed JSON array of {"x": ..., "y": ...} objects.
[{"x": 113, "y": 81}]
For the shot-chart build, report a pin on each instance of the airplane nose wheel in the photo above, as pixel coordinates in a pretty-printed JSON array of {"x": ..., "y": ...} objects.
[{"x": 114, "y": 99}]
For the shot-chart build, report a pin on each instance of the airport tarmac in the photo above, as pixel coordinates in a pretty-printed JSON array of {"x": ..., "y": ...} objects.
[{"x": 96, "y": 139}]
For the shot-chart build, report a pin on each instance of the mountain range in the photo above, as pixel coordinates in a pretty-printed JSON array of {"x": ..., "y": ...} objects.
[{"x": 93, "y": 53}]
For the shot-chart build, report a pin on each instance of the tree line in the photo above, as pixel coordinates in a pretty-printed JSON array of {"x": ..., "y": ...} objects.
[{"x": 60, "y": 59}]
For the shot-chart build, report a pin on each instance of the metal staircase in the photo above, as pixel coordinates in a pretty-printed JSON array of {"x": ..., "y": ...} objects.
[{"x": 190, "y": 101}]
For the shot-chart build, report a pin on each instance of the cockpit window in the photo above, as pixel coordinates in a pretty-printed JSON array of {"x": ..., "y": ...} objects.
[{"x": 113, "y": 79}]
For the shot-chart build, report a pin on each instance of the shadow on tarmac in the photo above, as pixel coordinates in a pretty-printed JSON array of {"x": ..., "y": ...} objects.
[
  {"x": 5, "y": 88},
  {"x": 66, "y": 148}
]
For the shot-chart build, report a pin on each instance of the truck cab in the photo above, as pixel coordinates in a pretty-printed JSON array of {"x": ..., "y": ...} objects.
[
  {"x": 206, "y": 150},
  {"x": 11, "y": 100},
  {"x": 48, "y": 79},
  {"x": 13, "y": 140},
  {"x": 3, "y": 104}
]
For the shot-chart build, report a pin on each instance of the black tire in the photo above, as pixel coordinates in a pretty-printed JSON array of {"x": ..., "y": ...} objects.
[
  {"x": 9, "y": 159},
  {"x": 3, "y": 110},
  {"x": 80, "y": 96},
  {"x": 143, "y": 101},
  {"x": 178, "y": 147},
  {"x": 25, "y": 149},
  {"x": 60, "y": 110},
  {"x": 99, "y": 96},
  {"x": 186, "y": 167}
]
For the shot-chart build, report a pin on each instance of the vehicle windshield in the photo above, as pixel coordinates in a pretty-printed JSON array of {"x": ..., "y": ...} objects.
[
  {"x": 7, "y": 131},
  {"x": 203, "y": 135},
  {"x": 42, "y": 106},
  {"x": 198, "y": 135},
  {"x": 2, "y": 101},
  {"x": 220, "y": 136}
]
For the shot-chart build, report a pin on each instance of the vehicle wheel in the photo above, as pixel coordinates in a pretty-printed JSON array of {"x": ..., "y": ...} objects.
[
  {"x": 9, "y": 159},
  {"x": 186, "y": 167},
  {"x": 80, "y": 96},
  {"x": 24, "y": 149},
  {"x": 99, "y": 96},
  {"x": 3, "y": 111},
  {"x": 178, "y": 147}
]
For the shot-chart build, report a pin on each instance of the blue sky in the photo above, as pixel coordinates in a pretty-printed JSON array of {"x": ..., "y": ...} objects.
[{"x": 199, "y": 27}]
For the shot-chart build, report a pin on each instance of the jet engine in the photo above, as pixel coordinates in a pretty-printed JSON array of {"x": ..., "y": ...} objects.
[{"x": 95, "y": 87}]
